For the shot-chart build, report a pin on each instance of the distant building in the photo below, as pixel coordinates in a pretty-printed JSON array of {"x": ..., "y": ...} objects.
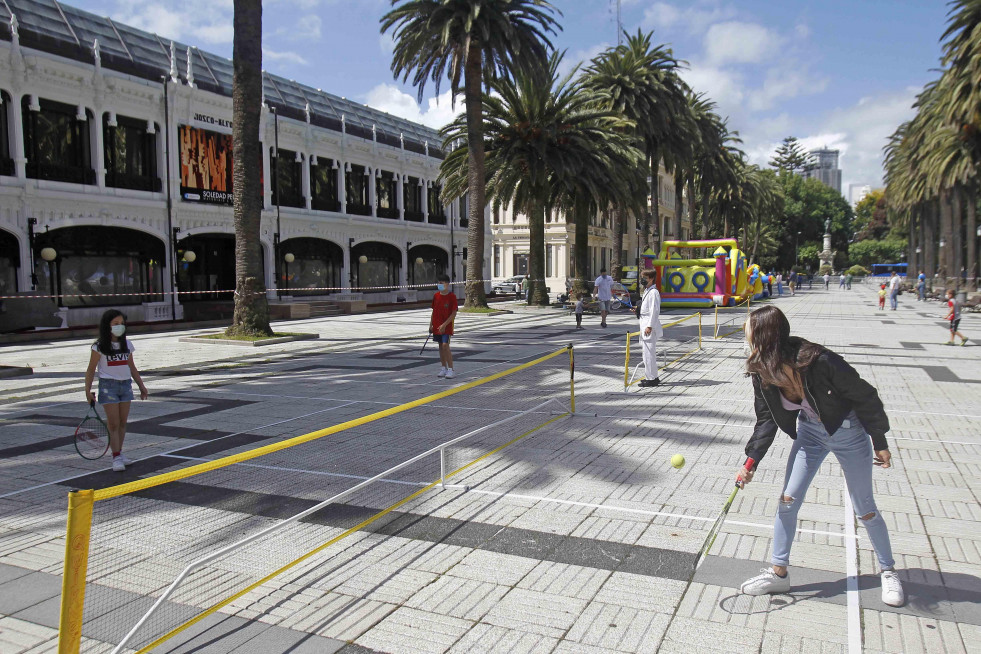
[
  {"x": 857, "y": 192},
  {"x": 825, "y": 168}
]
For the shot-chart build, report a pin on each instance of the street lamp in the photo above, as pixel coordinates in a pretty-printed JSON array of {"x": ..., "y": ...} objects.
[
  {"x": 288, "y": 258},
  {"x": 796, "y": 251},
  {"x": 49, "y": 254},
  {"x": 189, "y": 256},
  {"x": 350, "y": 272}
]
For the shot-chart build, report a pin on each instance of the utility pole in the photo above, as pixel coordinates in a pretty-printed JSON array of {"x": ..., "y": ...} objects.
[{"x": 619, "y": 26}]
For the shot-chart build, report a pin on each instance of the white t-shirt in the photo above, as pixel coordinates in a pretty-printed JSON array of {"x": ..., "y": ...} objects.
[
  {"x": 115, "y": 366},
  {"x": 894, "y": 283},
  {"x": 604, "y": 288}
]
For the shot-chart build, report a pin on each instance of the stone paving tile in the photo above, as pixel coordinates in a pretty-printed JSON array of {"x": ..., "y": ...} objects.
[
  {"x": 619, "y": 628},
  {"x": 536, "y": 612},
  {"x": 413, "y": 631},
  {"x": 890, "y": 632},
  {"x": 490, "y": 639}
]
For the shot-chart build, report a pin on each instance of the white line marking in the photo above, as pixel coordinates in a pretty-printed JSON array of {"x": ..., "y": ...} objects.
[
  {"x": 215, "y": 440},
  {"x": 666, "y": 514},
  {"x": 301, "y": 470},
  {"x": 851, "y": 567}
]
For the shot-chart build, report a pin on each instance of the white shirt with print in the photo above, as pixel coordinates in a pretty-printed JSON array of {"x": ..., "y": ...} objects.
[{"x": 116, "y": 365}]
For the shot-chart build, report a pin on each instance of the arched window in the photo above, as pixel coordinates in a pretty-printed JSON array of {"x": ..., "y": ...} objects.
[
  {"x": 425, "y": 263},
  {"x": 316, "y": 265},
  {"x": 380, "y": 269}
]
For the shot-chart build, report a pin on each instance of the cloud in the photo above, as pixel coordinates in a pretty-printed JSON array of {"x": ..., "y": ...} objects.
[
  {"x": 387, "y": 43},
  {"x": 725, "y": 88},
  {"x": 188, "y": 20},
  {"x": 391, "y": 99},
  {"x": 736, "y": 42},
  {"x": 283, "y": 57},
  {"x": 307, "y": 27},
  {"x": 583, "y": 57},
  {"x": 784, "y": 82},
  {"x": 693, "y": 19}
]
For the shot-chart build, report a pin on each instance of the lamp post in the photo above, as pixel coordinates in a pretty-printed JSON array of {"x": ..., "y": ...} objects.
[
  {"x": 49, "y": 254},
  {"x": 796, "y": 250},
  {"x": 31, "y": 222},
  {"x": 350, "y": 258},
  {"x": 288, "y": 258}
]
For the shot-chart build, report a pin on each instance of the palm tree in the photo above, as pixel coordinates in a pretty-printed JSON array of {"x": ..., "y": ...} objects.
[
  {"x": 474, "y": 41},
  {"x": 550, "y": 144},
  {"x": 251, "y": 314}
]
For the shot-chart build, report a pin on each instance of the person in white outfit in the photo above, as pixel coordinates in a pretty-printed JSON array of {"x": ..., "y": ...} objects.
[{"x": 650, "y": 327}]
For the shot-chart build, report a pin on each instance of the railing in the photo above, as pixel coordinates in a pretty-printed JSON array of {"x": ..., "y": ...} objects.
[
  {"x": 387, "y": 212},
  {"x": 358, "y": 209},
  {"x": 320, "y": 204},
  {"x": 414, "y": 216},
  {"x": 289, "y": 200},
  {"x": 61, "y": 173},
  {"x": 133, "y": 182}
]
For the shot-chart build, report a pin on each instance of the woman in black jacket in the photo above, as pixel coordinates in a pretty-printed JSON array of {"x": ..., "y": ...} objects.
[{"x": 813, "y": 395}]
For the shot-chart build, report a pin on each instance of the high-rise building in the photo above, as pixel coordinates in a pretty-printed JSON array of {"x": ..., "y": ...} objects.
[{"x": 824, "y": 168}]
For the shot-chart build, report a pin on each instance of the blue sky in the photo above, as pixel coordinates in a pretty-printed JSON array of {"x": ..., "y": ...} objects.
[{"x": 841, "y": 73}]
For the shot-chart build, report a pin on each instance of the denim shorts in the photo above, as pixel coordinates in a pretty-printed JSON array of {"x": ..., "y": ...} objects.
[
  {"x": 114, "y": 391},
  {"x": 441, "y": 338}
]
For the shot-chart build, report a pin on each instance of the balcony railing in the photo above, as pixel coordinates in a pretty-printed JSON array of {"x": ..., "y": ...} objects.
[
  {"x": 133, "y": 182},
  {"x": 387, "y": 212},
  {"x": 61, "y": 173},
  {"x": 325, "y": 204},
  {"x": 437, "y": 220},
  {"x": 358, "y": 209},
  {"x": 414, "y": 216},
  {"x": 289, "y": 200}
]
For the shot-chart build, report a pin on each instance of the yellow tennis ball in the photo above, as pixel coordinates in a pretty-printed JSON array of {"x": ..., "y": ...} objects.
[{"x": 678, "y": 461}]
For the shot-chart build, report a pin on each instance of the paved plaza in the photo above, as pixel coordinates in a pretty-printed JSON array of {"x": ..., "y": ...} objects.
[{"x": 578, "y": 537}]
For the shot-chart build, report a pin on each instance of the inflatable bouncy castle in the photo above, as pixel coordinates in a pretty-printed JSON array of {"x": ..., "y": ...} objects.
[{"x": 721, "y": 279}]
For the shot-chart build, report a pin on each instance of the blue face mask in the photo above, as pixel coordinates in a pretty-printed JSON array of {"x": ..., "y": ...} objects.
[{"x": 440, "y": 287}]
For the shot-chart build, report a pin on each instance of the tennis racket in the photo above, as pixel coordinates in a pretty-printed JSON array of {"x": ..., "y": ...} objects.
[
  {"x": 717, "y": 526},
  {"x": 429, "y": 336},
  {"x": 92, "y": 435}
]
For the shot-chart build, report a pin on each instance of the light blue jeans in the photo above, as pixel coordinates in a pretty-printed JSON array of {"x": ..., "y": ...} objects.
[
  {"x": 894, "y": 299},
  {"x": 853, "y": 449}
]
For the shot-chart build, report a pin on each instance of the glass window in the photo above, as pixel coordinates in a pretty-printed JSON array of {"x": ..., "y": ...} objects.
[
  {"x": 386, "y": 193},
  {"x": 130, "y": 153},
  {"x": 437, "y": 213},
  {"x": 56, "y": 142},
  {"x": 287, "y": 175},
  {"x": 323, "y": 184},
  {"x": 356, "y": 190},
  {"x": 412, "y": 199},
  {"x": 6, "y": 152},
  {"x": 465, "y": 210},
  {"x": 316, "y": 266},
  {"x": 9, "y": 262}
]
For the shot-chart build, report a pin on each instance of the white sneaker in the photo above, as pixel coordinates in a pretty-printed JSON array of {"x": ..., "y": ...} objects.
[
  {"x": 449, "y": 373},
  {"x": 117, "y": 464},
  {"x": 892, "y": 589},
  {"x": 442, "y": 372},
  {"x": 125, "y": 459},
  {"x": 766, "y": 583}
]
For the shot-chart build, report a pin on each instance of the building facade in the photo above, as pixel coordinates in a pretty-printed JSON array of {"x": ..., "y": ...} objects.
[
  {"x": 825, "y": 168},
  {"x": 511, "y": 240},
  {"x": 116, "y": 180}
]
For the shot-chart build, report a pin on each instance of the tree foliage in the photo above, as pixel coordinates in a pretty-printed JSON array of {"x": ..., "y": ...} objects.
[
  {"x": 790, "y": 157},
  {"x": 807, "y": 205},
  {"x": 865, "y": 253}
]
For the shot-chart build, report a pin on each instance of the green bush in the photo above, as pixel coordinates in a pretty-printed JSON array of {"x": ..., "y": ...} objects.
[
  {"x": 858, "y": 271},
  {"x": 825, "y": 270}
]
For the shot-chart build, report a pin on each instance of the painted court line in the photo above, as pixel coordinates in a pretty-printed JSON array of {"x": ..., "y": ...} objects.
[
  {"x": 239, "y": 433},
  {"x": 851, "y": 567}
]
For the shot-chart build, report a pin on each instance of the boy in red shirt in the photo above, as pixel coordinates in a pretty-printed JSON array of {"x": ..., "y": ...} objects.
[{"x": 441, "y": 324}]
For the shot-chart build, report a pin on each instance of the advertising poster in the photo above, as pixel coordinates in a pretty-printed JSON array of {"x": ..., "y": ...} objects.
[{"x": 206, "y": 165}]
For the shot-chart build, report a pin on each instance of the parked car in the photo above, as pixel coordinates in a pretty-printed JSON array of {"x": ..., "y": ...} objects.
[{"x": 509, "y": 286}]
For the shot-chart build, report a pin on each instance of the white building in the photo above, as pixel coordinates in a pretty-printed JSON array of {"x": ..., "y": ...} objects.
[
  {"x": 825, "y": 168},
  {"x": 511, "y": 240},
  {"x": 115, "y": 164}
]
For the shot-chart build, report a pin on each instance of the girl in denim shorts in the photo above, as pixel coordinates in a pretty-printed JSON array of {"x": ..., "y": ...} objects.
[{"x": 112, "y": 360}]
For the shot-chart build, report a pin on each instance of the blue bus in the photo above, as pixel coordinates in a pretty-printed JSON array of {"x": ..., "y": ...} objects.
[{"x": 886, "y": 269}]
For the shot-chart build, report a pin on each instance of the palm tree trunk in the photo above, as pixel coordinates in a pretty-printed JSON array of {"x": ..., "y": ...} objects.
[
  {"x": 956, "y": 232},
  {"x": 616, "y": 222},
  {"x": 756, "y": 238},
  {"x": 251, "y": 314},
  {"x": 930, "y": 240},
  {"x": 581, "y": 251},
  {"x": 536, "y": 255},
  {"x": 473, "y": 78},
  {"x": 691, "y": 206},
  {"x": 679, "y": 199},
  {"x": 655, "y": 161},
  {"x": 945, "y": 236},
  {"x": 972, "y": 241}
]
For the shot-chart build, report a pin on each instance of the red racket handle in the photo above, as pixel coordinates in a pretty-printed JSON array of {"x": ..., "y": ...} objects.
[{"x": 749, "y": 466}]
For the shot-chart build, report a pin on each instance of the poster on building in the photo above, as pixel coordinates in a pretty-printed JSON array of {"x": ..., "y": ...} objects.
[{"x": 206, "y": 165}]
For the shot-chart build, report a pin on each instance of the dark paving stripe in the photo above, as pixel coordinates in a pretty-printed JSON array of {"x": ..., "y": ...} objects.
[
  {"x": 36, "y": 446},
  {"x": 912, "y": 346},
  {"x": 888, "y": 322},
  {"x": 929, "y": 594},
  {"x": 541, "y": 546}
]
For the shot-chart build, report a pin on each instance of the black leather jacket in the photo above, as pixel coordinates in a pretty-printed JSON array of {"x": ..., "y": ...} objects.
[{"x": 834, "y": 389}]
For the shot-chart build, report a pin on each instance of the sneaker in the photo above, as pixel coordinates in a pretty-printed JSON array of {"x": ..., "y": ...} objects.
[
  {"x": 949, "y": 343},
  {"x": 449, "y": 373},
  {"x": 767, "y": 583},
  {"x": 892, "y": 589},
  {"x": 442, "y": 372},
  {"x": 125, "y": 459},
  {"x": 964, "y": 342},
  {"x": 647, "y": 383},
  {"x": 117, "y": 464}
]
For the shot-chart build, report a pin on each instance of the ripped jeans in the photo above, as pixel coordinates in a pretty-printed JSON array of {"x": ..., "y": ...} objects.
[{"x": 852, "y": 447}]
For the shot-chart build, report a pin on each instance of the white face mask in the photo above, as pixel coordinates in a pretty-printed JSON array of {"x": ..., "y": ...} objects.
[
  {"x": 118, "y": 330},
  {"x": 747, "y": 350}
]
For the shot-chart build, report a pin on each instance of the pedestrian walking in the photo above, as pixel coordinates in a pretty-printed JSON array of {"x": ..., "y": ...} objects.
[
  {"x": 779, "y": 283},
  {"x": 841, "y": 281},
  {"x": 650, "y": 327},
  {"x": 921, "y": 287},
  {"x": 603, "y": 292},
  {"x": 525, "y": 285},
  {"x": 444, "y": 308},
  {"x": 814, "y": 396},
  {"x": 894, "y": 291},
  {"x": 848, "y": 282},
  {"x": 112, "y": 361},
  {"x": 580, "y": 307},
  {"x": 810, "y": 280},
  {"x": 793, "y": 282},
  {"x": 882, "y": 297},
  {"x": 769, "y": 284},
  {"x": 827, "y": 280},
  {"x": 954, "y": 316}
]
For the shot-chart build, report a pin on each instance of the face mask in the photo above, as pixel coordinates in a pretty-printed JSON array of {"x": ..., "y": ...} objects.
[
  {"x": 440, "y": 287},
  {"x": 747, "y": 350},
  {"x": 118, "y": 330}
]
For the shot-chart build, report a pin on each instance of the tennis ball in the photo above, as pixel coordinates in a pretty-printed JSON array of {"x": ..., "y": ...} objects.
[{"x": 678, "y": 461}]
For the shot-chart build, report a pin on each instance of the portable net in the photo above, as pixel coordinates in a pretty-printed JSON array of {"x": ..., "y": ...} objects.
[
  {"x": 234, "y": 529},
  {"x": 730, "y": 320},
  {"x": 682, "y": 337}
]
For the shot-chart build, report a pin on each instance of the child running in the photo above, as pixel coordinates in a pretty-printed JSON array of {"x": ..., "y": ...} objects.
[
  {"x": 441, "y": 324},
  {"x": 112, "y": 360},
  {"x": 882, "y": 297},
  {"x": 580, "y": 307},
  {"x": 954, "y": 316}
]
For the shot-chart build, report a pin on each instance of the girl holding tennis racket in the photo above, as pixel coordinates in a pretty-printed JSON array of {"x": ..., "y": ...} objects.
[
  {"x": 112, "y": 360},
  {"x": 813, "y": 395}
]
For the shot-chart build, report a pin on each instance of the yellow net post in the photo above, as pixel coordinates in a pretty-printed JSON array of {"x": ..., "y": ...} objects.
[
  {"x": 699, "y": 330},
  {"x": 76, "y": 566},
  {"x": 572, "y": 379},
  {"x": 626, "y": 366}
]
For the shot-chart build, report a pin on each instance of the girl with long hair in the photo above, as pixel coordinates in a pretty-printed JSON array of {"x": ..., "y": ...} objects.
[
  {"x": 813, "y": 395},
  {"x": 112, "y": 360}
]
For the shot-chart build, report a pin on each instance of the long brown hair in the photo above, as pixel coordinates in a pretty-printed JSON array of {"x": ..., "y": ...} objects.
[{"x": 777, "y": 357}]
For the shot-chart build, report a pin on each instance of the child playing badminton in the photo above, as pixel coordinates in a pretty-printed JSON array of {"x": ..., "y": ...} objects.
[
  {"x": 112, "y": 361},
  {"x": 441, "y": 324},
  {"x": 954, "y": 316},
  {"x": 882, "y": 297}
]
